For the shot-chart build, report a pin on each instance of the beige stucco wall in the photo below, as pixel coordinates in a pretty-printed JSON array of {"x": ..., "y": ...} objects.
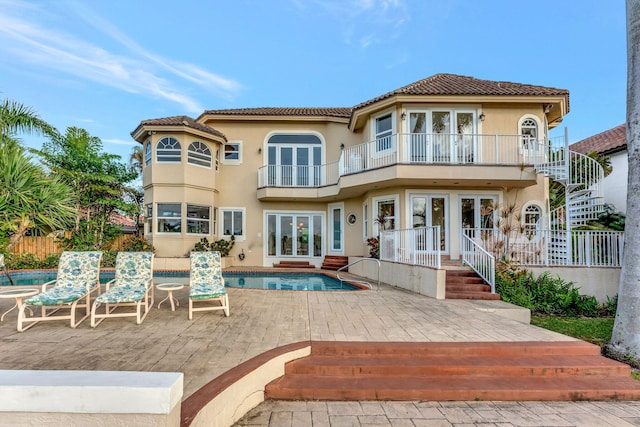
[
  {"x": 421, "y": 280},
  {"x": 236, "y": 185}
]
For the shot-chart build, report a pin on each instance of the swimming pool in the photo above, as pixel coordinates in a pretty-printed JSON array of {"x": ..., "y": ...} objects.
[{"x": 247, "y": 280}]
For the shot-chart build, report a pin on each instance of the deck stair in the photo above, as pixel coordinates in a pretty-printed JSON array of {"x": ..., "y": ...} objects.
[
  {"x": 559, "y": 371},
  {"x": 293, "y": 264},
  {"x": 332, "y": 262},
  {"x": 464, "y": 283}
]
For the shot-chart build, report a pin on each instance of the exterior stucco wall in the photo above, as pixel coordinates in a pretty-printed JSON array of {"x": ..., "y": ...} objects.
[
  {"x": 421, "y": 280},
  {"x": 614, "y": 186}
]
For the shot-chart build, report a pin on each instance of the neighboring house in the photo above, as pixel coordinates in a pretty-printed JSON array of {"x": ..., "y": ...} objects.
[
  {"x": 613, "y": 144},
  {"x": 303, "y": 183}
]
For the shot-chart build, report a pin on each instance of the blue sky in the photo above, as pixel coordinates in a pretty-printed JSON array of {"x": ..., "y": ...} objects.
[{"x": 107, "y": 65}]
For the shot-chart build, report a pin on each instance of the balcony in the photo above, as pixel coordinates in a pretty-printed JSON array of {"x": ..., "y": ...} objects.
[{"x": 396, "y": 160}]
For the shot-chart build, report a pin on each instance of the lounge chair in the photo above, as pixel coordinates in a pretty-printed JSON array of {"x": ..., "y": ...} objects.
[
  {"x": 131, "y": 287},
  {"x": 78, "y": 278},
  {"x": 207, "y": 283}
]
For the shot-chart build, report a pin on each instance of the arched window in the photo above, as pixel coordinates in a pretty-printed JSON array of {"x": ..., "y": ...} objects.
[
  {"x": 531, "y": 215},
  {"x": 529, "y": 130},
  {"x": 168, "y": 150},
  {"x": 147, "y": 153},
  {"x": 199, "y": 154}
]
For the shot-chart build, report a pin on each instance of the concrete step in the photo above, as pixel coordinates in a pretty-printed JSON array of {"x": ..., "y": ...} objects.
[
  {"x": 568, "y": 370},
  {"x": 471, "y": 295}
]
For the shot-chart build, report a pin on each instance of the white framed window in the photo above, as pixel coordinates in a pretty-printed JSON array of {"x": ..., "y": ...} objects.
[
  {"x": 383, "y": 130},
  {"x": 531, "y": 214},
  {"x": 365, "y": 221},
  {"x": 233, "y": 222},
  {"x": 336, "y": 225},
  {"x": 232, "y": 153},
  {"x": 169, "y": 217},
  {"x": 385, "y": 210},
  {"x": 149, "y": 219},
  {"x": 199, "y": 154},
  {"x": 147, "y": 153},
  {"x": 529, "y": 128},
  {"x": 215, "y": 221},
  {"x": 198, "y": 219},
  {"x": 168, "y": 150}
]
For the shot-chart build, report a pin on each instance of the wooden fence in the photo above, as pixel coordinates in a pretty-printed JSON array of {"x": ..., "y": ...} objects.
[{"x": 42, "y": 246}]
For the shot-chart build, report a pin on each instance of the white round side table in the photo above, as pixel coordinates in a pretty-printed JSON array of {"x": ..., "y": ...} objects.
[
  {"x": 18, "y": 294},
  {"x": 169, "y": 288}
]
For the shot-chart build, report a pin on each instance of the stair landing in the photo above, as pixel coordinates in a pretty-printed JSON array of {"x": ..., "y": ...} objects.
[{"x": 561, "y": 371}]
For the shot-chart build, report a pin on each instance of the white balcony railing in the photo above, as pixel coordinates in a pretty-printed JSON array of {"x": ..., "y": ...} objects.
[
  {"x": 584, "y": 248},
  {"x": 416, "y": 246},
  {"x": 414, "y": 148}
]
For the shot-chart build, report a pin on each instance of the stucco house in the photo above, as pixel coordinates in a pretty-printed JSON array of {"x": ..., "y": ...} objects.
[
  {"x": 613, "y": 144},
  {"x": 427, "y": 168}
]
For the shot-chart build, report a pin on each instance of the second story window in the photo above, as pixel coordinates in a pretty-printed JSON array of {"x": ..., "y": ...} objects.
[
  {"x": 384, "y": 132},
  {"x": 529, "y": 131},
  {"x": 232, "y": 152},
  {"x": 199, "y": 154},
  {"x": 169, "y": 150},
  {"x": 147, "y": 153}
]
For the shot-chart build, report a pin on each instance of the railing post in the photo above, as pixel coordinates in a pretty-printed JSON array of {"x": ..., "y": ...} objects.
[{"x": 495, "y": 136}]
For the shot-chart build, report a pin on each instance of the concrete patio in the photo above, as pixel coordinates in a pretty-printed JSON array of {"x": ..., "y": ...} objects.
[{"x": 260, "y": 320}]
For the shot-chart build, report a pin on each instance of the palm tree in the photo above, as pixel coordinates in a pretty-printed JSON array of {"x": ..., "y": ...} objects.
[
  {"x": 30, "y": 198},
  {"x": 16, "y": 118},
  {"x": 136, "y": 159},
  {"x": 625, "y": 340}
]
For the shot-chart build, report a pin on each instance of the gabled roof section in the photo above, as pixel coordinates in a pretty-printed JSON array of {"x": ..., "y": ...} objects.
[
  {"x": 453, "y": 84},
  {"x": 609, "y": 141},
  {"x": 282, "y": 111}
]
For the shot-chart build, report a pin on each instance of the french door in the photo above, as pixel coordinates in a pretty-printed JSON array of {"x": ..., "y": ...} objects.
[
  {"x": 442, "y": 136},
  {"x": 297, "y": 235},
  {"x": 477, "y": 212},
  {"x": 431, "y": 210},
  {"x": 294, "y": 165}
]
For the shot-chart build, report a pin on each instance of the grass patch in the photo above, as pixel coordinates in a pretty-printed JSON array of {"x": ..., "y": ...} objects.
[{"x": 596, "y": 330}]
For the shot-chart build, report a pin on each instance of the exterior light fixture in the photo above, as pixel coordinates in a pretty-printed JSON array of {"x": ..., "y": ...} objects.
[
  {"x": 403, "y": 116},
  {"x": 342, "y": 146},
  {"x": 481, "y": 117}
]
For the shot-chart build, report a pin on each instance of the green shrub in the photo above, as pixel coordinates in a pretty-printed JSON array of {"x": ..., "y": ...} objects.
[
  {"x": 108, "y": 259},
  {"x": 544, "y": 294},
  {"x": 51, "y": 261},
  {"x": 137, "y": 244},
  {"x": 223, "y": 246},
  {"x": 23, "y": 261}
]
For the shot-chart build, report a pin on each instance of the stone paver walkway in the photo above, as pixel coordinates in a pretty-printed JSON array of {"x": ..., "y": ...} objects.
[{"x": 261, "y": 320}]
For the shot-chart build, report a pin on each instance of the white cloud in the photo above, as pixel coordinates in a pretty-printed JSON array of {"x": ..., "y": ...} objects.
[
  {"x": 27, "y": 40},
  {"x": 359, "y": 17}
]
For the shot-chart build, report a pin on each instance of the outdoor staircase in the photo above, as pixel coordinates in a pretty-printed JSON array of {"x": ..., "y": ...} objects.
[
  {"x": 559, "y": 371},
  {"x": 464, "y": 283},
  {"x": 582, "y": 179},
  {"x": 293, "y": 264},
  {"x": 332, "y": 262}
]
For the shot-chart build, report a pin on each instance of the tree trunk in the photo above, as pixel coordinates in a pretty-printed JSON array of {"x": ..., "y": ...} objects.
[
  {"x": 15, "y": 238},
  {"x": 625, "y": 339}
]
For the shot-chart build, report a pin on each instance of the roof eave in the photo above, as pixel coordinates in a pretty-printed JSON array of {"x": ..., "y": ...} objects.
[
  {"x": 141, "y": 133},
  {"x": 204, "y": 118}
]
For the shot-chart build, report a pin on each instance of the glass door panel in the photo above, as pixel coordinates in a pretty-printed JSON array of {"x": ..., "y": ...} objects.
[
  {"x": 439, "y": 218},
  {"x": 286, "y": 166},
  {"x": 286, "y": 235},
  {"x": 464, "y": 137},
  {"x": 302, "y": 166},
  {"x": 467, "y": 213},
  {"x": 302, "y": 232},
  {"x": 421, "y": 151},
  {"x": 431, "y": 211},
  {"x": 317, "y": 235},
  {"x": 441, "y": 128},
  {"x": 272, "y": 232}
]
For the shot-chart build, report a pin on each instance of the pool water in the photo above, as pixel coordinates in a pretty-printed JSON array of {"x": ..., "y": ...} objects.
[{"x": 273, "y": 281}]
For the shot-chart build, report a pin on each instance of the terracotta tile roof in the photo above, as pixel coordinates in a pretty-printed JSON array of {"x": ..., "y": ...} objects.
[
  {"x": 452, "y": 84},
  {"x": 182, "y": 121},
  {"x": 284, "y": 111},
  {"x": 609, "y": 141}
]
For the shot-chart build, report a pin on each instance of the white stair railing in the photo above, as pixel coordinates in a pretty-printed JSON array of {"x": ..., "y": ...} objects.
[
  {"x": 416, "y": 246},
  {"x": 480, "y": 260}
]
